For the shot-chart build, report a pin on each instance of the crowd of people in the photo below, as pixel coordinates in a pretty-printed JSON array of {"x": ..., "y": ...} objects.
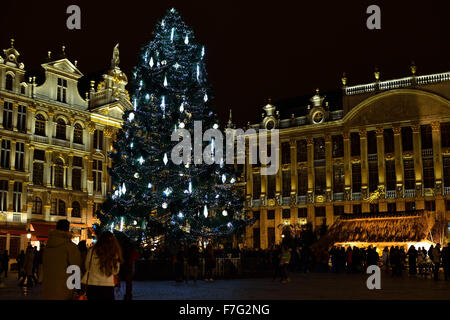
[
  {"x": 394, "y": 259},
  {"x": 99, "y": 266}
]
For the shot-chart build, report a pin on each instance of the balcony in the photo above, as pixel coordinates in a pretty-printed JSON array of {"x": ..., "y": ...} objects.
[
  {"x": 286, "y": 201},
  {"x": 338, "y": 196},
  {"x": 40, "y": 139},
  {"x": 301, "y": 200},
  {"x": 410, "y": 193},
  {"x": 391, "y": 194},
  {"x": 427, "y": 152},
  {"x": 78, "y": 146},
  {"x": 372, "y": 157},
  {"x": 356, "y": 196},
  {"x": 319, "y": 163},
  {"x": 446, "y": 191},
  {"x": 61, "y": 143}
]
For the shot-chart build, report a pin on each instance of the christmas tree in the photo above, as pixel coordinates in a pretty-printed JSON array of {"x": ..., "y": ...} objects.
[{"x": 152, "y": 195}]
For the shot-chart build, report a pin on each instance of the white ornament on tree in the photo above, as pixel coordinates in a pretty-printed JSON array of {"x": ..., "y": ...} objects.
[{"x": 205, "y": 211}]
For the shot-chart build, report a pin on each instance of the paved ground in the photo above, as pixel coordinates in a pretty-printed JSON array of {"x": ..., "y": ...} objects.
[{"x": 302, "y": 287}]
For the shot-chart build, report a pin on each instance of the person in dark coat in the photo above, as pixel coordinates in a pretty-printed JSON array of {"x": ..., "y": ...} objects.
[
  {"x": 412, "y": 260},
  {"x": 276, "y": 262},
  {"x": 20, "y": 260},
  {"x": 29, "y": 278},
  {"x": 193, "y": 262},
  {"x": 179, "y": 264},
  {"x": 59, "y": 253},
  {"x": 5, "y": 263},
  {"x": 446, "y": 261},
  {"x": 83, "y": 252},
  {"x": 210, "y": 262}
]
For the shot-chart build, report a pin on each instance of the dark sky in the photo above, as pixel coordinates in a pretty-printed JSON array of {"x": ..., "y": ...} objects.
[{"x": 255, "y": 50}]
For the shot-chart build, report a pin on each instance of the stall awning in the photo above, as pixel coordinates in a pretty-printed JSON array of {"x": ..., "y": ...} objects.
[
  {"x": 13, "y": 228},
  {"x": 41, "y": 230}
]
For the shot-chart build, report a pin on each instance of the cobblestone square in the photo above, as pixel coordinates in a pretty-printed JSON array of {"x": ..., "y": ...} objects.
[{"x": 310, "y": 286}]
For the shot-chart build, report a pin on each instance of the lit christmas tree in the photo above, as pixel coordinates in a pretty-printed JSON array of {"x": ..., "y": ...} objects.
[{"x": 153, "y": 196}]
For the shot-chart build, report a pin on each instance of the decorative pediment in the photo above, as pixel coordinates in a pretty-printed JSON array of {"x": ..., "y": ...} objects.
[
  {"x": 63, "y": 65},
  {"x": 401, "y": 105}
]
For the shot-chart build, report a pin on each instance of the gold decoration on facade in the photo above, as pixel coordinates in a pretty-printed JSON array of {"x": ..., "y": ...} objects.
[
  {"x": 377, "y": 194},
  {"x": 101, "y": 86},
  {"x": 91, "y": 128}
]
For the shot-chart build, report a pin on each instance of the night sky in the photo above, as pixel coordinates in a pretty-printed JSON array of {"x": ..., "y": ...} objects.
[{"x": 254, "y": 50}]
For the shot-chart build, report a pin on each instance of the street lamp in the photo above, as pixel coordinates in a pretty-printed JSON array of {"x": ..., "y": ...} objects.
[{"x": 29, "y": 234}]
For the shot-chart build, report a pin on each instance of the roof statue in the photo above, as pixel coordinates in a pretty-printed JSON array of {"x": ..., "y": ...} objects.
[{"x": 115, "y": 58}]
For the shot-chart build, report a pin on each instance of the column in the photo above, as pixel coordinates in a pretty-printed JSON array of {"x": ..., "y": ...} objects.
[
  {"x": 90, "y": 177},
  {"x": 294, "y": 178},
  {"x": 50, "y": 130},
  {"x": 278, "y": 179},
  {"x": 310, "y": 197},
  {"x": 13, "y": 155},
  {"x": 104, "y": 176},
  {"x": 15, "y": 109},
  {"x": 31, "y": 114},
  {"x": 69, "y": 131},
  {"x": 84, "y": 174},
  {"x": 398, "y": 158},
  {"x": 437, "y": 155},
  {"x": 328, "y": 168},
  {"x": 26, "y": 156},
  {"x": 348, "y": 173},
  {"x": 417, "y": 156},
  {"x": 2, "y": 103},
  {"x": 47, "y": 168},
  {"x": 278, "y": 211},
  {"x": 382, "y": 204},
  {"x": 109, "y": 132},
  {"x": 65, "y": 173},
  {"x": 364, "y": 169},
  {"x": 69, "y": 172},
  {"x": 263, "y": 228},
  {"x": 30, "y": 163},
  {"x": 10, "y": 195}
]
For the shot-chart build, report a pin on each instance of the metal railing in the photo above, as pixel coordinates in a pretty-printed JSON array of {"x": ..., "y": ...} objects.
[
  {"x": 301, "y": 199},
  {"x": 338, "y": 196},
  {"x": 446, "y": 191},
  {"x": 427, "y": 152},
  {"x": 356, "y": 196},
  {"x": 391, "y": 194},
  {"x": 410, "y": 193},
  {"x": 398, "y": 83}
]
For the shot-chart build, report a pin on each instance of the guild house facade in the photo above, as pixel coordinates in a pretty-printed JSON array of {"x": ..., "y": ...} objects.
[
  {"x": 380, "y": 148},
  {"x": 54, "y": 144}
]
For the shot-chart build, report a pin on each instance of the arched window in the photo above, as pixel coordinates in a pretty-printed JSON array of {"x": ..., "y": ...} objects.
[
  {"x": 61, "y": 129},
  {"x": 39, "y": 128},
  {"x": 76, "y": 209},
  {"x": 59, "y": 173},
  {"x": 9, "y": 80},
  {"x": 37, "y": 206},
  {"x": 78, "y": 134}
]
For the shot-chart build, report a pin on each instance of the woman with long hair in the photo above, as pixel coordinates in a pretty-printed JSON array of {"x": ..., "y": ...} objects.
[{"x": 102, "y": 264}]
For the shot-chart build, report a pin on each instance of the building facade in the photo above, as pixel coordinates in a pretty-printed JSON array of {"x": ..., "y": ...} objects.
[
  {"x": 54, "y": 144},
  {"x": 384, "y": 148}
]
